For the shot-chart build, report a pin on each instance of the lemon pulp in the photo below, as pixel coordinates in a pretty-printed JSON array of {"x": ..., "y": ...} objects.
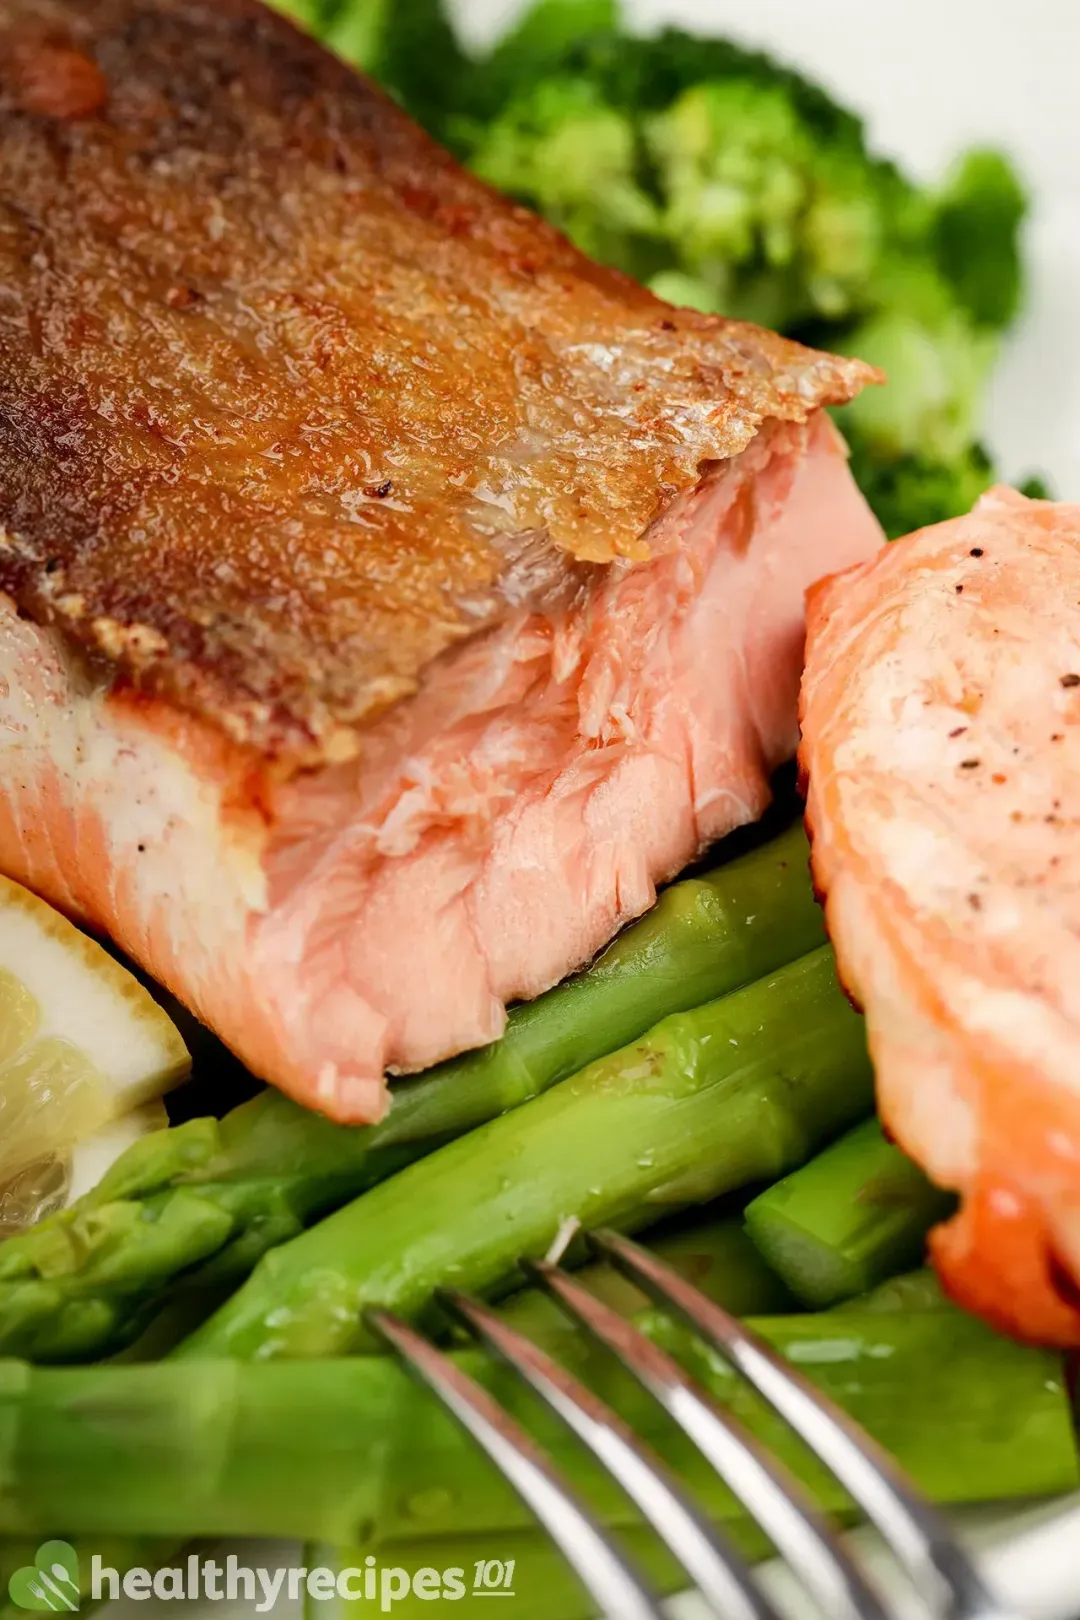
[{"x": 82, "y": 1042}]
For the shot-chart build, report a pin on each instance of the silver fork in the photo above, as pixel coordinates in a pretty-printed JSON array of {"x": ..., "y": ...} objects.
[{"x": 917, "y": 1534}]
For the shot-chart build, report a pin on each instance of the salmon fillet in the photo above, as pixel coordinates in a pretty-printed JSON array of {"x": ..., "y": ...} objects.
[
  {"x": 391, "y": 597},
  {"x": 941, "y": 749}
]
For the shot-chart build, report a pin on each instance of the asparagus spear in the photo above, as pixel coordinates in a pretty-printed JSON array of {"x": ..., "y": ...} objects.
[
  {"x": 205, "y": 1200},
  {"x": 716, "y": 1256},
  {"x": 734, "y": 1092},
  {"x": 543, "y": 1582},
  {"x": 349, "y": 1449},
  {"x": 849, "y": 1219},
  {"x": 911, "y": 1291}
]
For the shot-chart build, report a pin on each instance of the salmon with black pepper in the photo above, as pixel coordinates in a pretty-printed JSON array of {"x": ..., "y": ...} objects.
[{"x": 941, "y": 748}]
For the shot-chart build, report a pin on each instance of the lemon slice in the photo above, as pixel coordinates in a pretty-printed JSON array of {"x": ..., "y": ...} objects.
[
  {"x": 55, "y": 1182},
  {"x": 81, "y": 1041},
  {"x": 91, "y": 1158}
]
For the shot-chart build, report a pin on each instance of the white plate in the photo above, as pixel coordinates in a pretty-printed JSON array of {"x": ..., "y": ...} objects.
[{"x": 929, "y": 76}]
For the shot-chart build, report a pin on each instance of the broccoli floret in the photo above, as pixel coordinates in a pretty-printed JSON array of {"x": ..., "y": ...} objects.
[
  {"x": 408, "y": 45},
  {"x": 676, "y": 287},
  {"x": 975, "y": 237},
  {"x": 565, "y": 151},
  {"x": 936, "y": 373},
  {"x": 545, "y": 37},
  {"x": 911, "y": 490},
  {"x": 783, "y": 230}
]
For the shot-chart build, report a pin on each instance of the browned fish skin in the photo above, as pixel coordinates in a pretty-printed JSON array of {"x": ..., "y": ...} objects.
[{"x": 286, "y": 397}]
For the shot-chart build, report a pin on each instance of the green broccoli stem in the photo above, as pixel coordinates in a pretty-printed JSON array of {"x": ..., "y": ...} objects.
[
  {"x": 734, "y": 1092},
  {"x": 852, "y": 1217},
  {"x": 350, "y": 1449},
  {"x": 204, "y": 1201}
]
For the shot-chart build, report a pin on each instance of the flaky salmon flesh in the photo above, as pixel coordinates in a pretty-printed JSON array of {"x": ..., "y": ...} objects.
[
  {"x": 391, "y": 597},
  {"x": 941, "y": 750}
]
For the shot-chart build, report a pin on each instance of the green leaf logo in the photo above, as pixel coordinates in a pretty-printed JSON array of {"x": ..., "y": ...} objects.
[{"x": 50, "y": 1582}]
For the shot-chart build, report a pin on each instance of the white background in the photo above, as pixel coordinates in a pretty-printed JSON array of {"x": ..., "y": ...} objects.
[{"x": 931, "y": 76}]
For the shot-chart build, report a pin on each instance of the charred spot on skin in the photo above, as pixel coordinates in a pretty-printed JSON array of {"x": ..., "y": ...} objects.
[
  {"x": 1069, "y": 680},
  {"x": 53, "y": 79},
  {"x": 976, "y": 551},
  {"x": 959, "y": 590},
  {"x": 379, "y": 492},
  {"x": 970, "y": 764}
]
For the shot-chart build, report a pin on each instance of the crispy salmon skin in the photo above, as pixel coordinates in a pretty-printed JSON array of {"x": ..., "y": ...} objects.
[
  {"x": 289, "y": 403},
  {"x": 392, "y": 597},
  {"x": 941, "y": 750}
]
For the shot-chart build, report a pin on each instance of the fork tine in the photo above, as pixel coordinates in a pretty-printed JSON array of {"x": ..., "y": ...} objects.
[
  {"x": 769, "y": 1492},
  {"x": 604, "y": 1571},
  {"x": 720, "y": 1572},
  {"x": 916, "y": 1531}
]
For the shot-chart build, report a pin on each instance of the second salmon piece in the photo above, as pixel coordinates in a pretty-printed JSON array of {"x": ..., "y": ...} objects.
[
  {"x": 392, "y": 596},
  {"x": 941, "y": 720}
]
